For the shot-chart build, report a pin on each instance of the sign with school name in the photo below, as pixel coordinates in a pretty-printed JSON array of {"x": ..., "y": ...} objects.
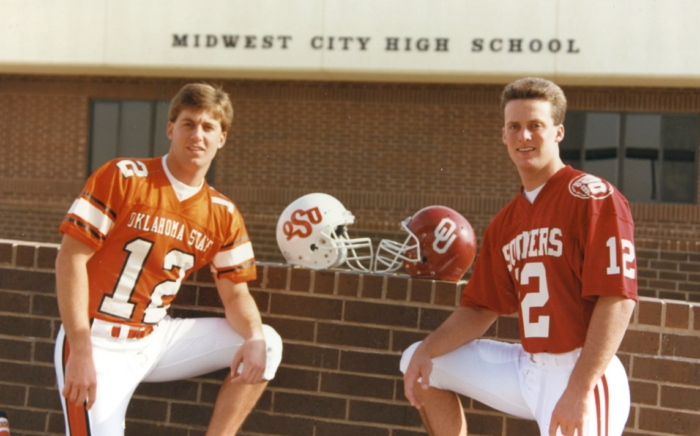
[{"x": 587, "y": 42}]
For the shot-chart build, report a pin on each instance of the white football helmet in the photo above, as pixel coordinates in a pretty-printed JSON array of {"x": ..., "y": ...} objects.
[{"x": 312, "y": 232}]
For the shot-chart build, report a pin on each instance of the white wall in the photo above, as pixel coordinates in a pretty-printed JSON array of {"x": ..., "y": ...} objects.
[{"x": 587, "y": 42}]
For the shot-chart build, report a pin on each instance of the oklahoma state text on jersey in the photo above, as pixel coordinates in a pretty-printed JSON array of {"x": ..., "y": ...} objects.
[
  {"x": 147, "y": 241},
  {"x": 551, "y": 259}
]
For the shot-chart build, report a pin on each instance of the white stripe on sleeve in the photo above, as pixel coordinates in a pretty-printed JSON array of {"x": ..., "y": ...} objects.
[
  {"x": 233, "y": 257},
  {"x": 92, "y": 215},
  {"x": 227, "y": 204}
]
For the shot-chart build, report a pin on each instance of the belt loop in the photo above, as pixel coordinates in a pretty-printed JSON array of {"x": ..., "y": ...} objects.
[{"x": 123, "y": 332}]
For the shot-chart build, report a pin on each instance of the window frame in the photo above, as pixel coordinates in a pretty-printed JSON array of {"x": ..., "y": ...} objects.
[{"x": 574, "y": 152}]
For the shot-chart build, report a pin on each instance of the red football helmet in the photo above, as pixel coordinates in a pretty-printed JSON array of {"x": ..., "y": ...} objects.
[{"x": 440, "y": 245}]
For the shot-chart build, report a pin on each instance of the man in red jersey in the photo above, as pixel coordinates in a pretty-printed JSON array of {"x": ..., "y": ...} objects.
[
  {"x": 561, "y": 254},
  {"x": 137, "y": 230}
]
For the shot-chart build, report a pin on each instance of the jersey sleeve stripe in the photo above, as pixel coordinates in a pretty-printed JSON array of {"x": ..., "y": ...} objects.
[
  {"x": 91, "y": 215},
  {"x": 231, "y": 258},
  {"x": 222, "y": 202},
  {"x": 234, "y": 243},
  {"x": 92, "y": 198},
  {"x": 240, "y": 267},
  {"x": 81, "y": 224}
]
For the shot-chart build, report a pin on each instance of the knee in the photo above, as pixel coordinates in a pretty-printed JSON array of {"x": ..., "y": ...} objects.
[
  {"x": 273, "y": 345},
  {"x": 273, "y": 340},
  {"x": 407, "y": 355}
]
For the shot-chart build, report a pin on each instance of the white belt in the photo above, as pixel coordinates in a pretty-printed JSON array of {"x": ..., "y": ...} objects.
[{"x": 555, "y": 359}]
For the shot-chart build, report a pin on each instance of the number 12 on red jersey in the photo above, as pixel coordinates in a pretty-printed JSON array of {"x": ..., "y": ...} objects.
[{"x": 540, "y": 327}]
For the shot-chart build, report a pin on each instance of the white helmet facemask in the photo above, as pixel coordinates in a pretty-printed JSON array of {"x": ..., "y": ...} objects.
[
  {"x": 396, "y": 252},
  {"x": 350, "y": 250}
]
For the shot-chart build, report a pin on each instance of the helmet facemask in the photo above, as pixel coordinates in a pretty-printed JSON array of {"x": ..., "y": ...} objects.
[
  {"x": 353, "y": 252},
  {"x": 408, "y": 251}
]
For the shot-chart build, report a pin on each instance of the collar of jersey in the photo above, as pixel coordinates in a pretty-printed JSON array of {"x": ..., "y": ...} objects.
[{"x": 182, "y": 191}]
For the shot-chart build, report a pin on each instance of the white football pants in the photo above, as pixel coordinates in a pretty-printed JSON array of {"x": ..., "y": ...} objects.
[
  {"x": 177, "y": 349},
  {"x": 506, "y": 378}
]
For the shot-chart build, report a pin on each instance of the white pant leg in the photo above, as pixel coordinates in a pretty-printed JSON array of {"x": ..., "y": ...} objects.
[
  {"x": 484, "y": 370},
  {"x": 542, "y": 387},
  {"x": 544, "y": 384},
  {"x": 120, "y": 366},
  {"x": 617, "y": 401},
  {"x": 176, "y": 349},
  {"x": 196, "y": 346},
  {"x": 504, "y": 377}
]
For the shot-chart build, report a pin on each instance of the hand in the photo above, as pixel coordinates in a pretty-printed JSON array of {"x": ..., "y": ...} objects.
[
  {"x": 80, "y": 380},
  {"x": 420, "y": 367},
  {"x": 571, "y": 414},
  {"x": 251, "y": 360}
]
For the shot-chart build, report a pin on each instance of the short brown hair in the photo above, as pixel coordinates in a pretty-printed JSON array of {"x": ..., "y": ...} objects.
[
  {"x": 203, "y": 96},
  {"x": 536, "y": 88}
]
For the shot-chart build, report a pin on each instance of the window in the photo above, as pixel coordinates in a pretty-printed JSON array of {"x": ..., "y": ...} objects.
[
  {"x": 649, "y": 157},
  {"x": 129, "y": 128}
]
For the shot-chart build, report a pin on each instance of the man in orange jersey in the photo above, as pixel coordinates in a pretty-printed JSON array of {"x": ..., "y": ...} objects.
[{"x": 137, "y": 230}]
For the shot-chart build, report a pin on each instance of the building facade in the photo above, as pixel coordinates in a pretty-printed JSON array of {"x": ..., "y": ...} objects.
[{"x": 388, "y": 109}]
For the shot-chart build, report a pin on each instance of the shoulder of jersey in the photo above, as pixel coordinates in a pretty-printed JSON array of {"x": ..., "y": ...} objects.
[
  {"x": 219, "y": 199},
  {"x": 501, "y": 220},
  {"x": 128, "y": 167},
  {"x": 589, "y": 187}
]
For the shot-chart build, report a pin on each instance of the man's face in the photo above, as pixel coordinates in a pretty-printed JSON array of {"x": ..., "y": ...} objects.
[
  {"x": 531, "y": 136},
  {"x": 195, "y": 137}
]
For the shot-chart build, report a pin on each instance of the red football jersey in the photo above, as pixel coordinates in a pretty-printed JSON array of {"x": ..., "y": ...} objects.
[
  {"x": 147, "y": 241},
  {"x": 550, "y": 260}
]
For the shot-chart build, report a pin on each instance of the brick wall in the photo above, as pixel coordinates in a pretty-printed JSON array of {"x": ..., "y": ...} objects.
[
  {"x": 669, "y": 269},
  {"x": 343, "y": 335},
  {"x": 384, "y": 150}
]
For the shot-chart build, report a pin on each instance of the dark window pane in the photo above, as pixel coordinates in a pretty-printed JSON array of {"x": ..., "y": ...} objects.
[
  {"x": 574, "y": 130},
  {"x": 160, "y": 139},
  {"x": 680, "y": 141},
  {"x": 641, "y": 165},
  {"x": 678, "y": 185},
  {"x": 601, "y": 142},
  {"x": 680, "y": 132},
  {"x": 104, "y": 133},
  {"x": 135, "y": 129}
]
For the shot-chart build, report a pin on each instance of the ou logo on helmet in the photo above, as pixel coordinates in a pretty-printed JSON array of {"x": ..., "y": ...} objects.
[
  {"x": 444, "y": 235},
  {"x": 300, "y": 223},
  {"x": 587, "y": 186}
]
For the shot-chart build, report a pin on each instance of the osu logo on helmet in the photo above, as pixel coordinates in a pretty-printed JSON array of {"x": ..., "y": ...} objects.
[
  {"x": 588, "y": 186},
  {"x": 312, "y": 232},
  {"x": 440, "y": 245},
  {"x": 296, "y": 225}
]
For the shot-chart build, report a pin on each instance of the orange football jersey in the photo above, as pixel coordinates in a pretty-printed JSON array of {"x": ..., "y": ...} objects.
[{"x": 147, "y": 242}]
